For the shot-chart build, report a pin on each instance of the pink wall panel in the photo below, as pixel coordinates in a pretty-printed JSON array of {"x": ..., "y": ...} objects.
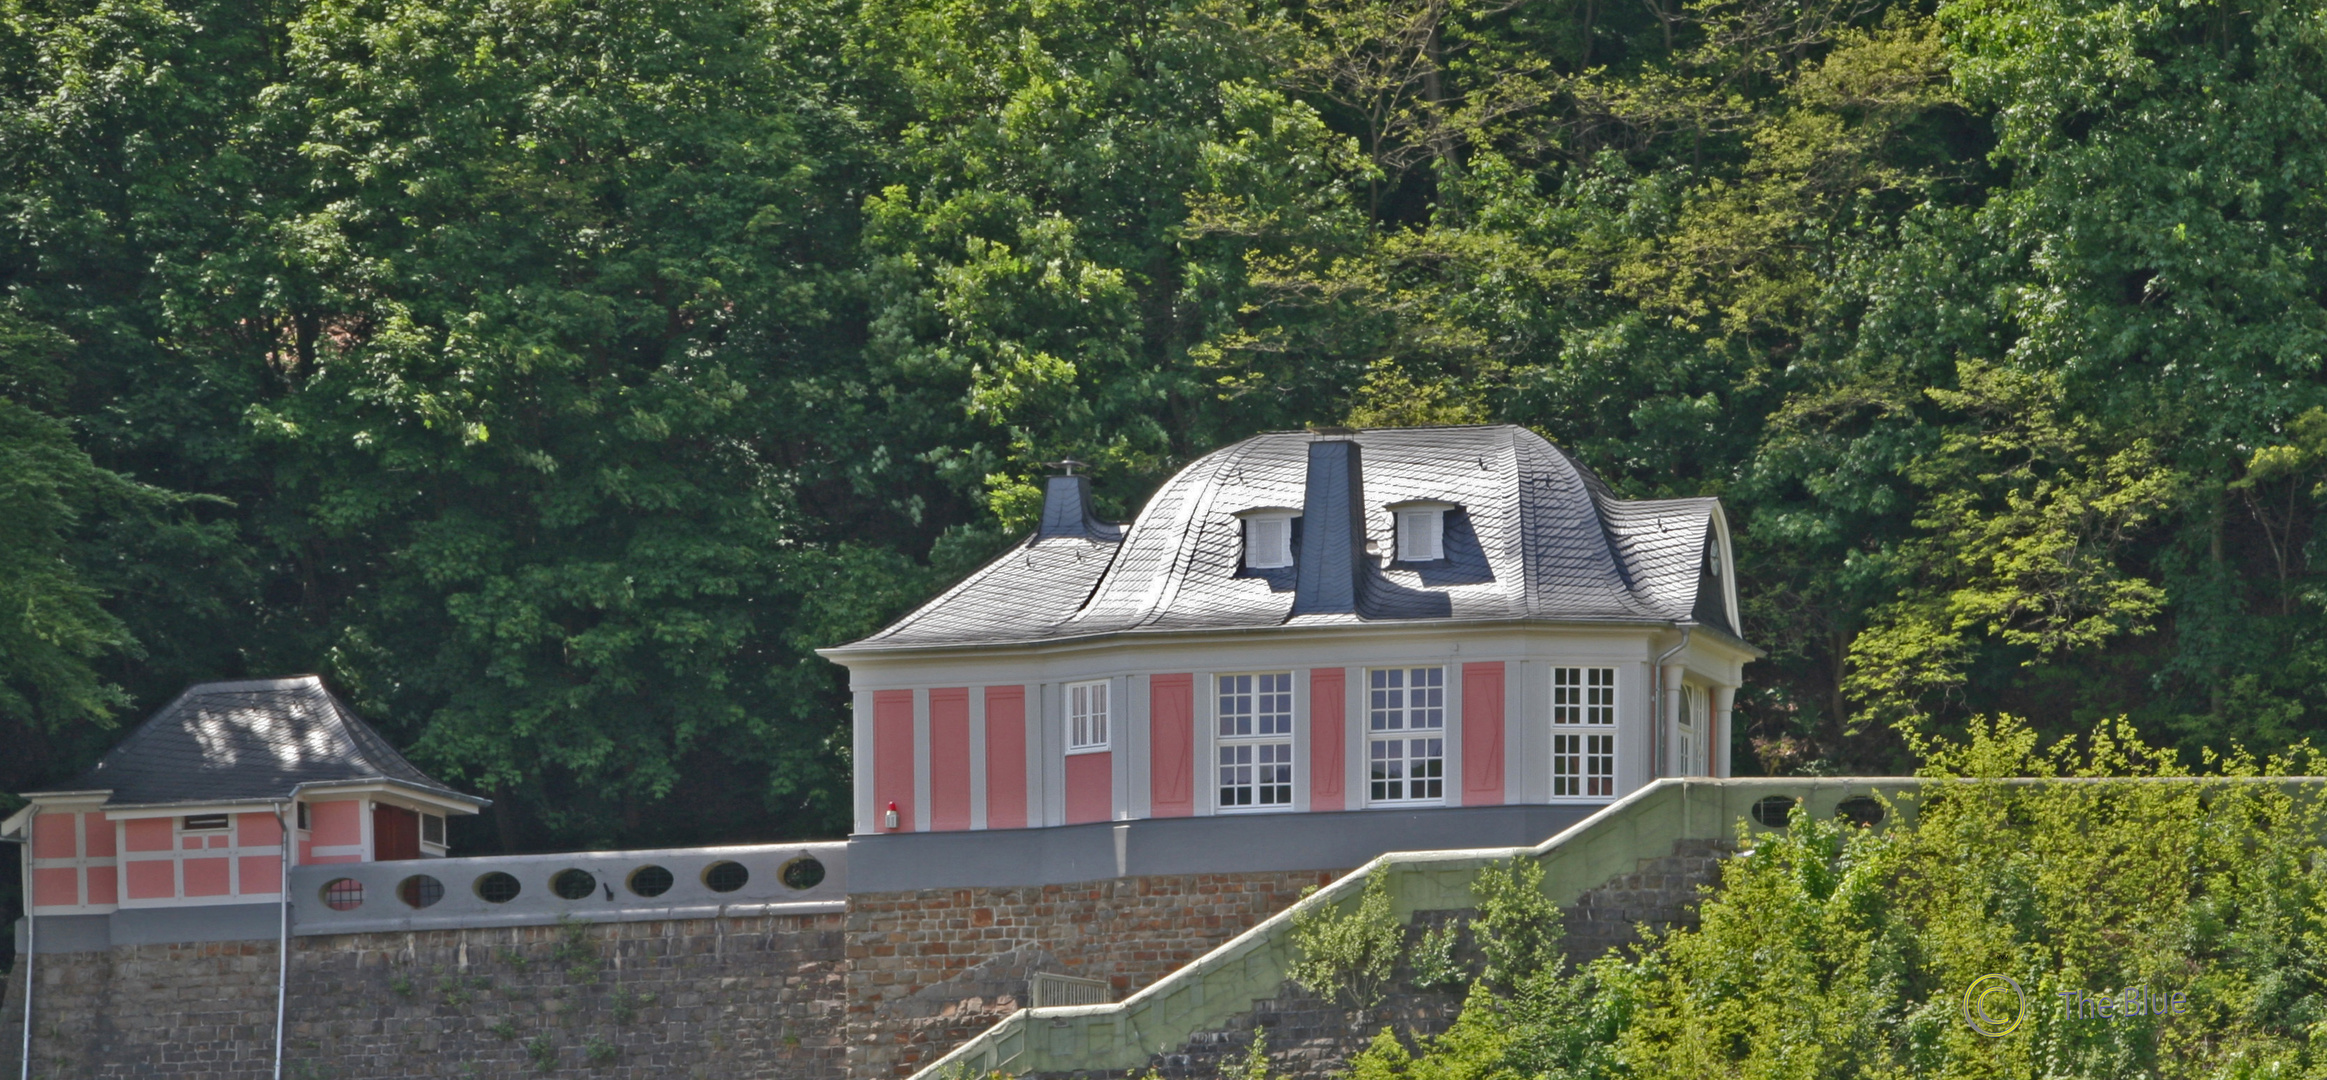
[
  {"x": 1482, "y": 734},
  {"x": 1171, "y": 751},
  {"x": 261, "y": 873},
  {"x": 149, "y": 834},
  {"x": 257, "y": 830},
  {"x": 56, "y": 886},
  {"x": 1090, "y": 787},
  {"x": 893, "y": 757},
  {"x": 1328, "y": 695},
  {"x": 949, "y": 759},
  {"x": 153, "y": 879},
  {"x": 1005, "y": 757},
  {"x": 336, "y": 824},
  {"x": 98, "y": 835},
  {"x": 52, "y": 837},
  {"x": 104, "y": 885},
  {"x": 206, "y": 877}
]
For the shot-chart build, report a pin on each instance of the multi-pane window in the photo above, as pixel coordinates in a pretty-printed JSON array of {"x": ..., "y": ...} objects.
[
  {"x": 1258, "y": 775},
  {"x": 1256, "y": 740},
  {"x": 1087, "y": 716},
  {"x": 1405, "y": 714},
  {"x": 1583, "y": 732}
]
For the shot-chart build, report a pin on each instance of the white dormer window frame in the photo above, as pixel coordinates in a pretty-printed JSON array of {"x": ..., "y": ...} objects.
[
  {"x": 1268, "y": 537},
  {"x": 1421, "y": 529}
]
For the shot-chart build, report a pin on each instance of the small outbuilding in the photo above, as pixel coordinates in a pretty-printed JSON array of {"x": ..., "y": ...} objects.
[{"x": 189, "y": 812}]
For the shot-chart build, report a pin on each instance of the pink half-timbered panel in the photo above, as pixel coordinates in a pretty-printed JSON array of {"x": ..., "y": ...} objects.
[
  {"x": 335, "y": 833},
  {"x": 949, "y": 759},
  {"x": 153, "y": 879},
  {"x": 56, "y": 886},
  {"x": 1328, "y": 695},
  {"x": 1482, "y": 734},
  {"x": 209, "y": 877},
  {"x": 1006, "y": 757},
  {"x": 104, "y": 884},
  {"x": 97, "y": 837},
  {"x": 893, "y": 757},
  {"x": 53, "y": 837},
  {"x": 1171, "y": 752},
  {"x": 261, "y": 875},
  {"x": 148, "y": 834}
]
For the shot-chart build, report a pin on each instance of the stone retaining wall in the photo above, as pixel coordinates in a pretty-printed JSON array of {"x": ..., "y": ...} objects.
[
  {"x": 929, "y": 969},
  {"x": 710, "y": 998},
  {"x": 1309, "y": 1038}
]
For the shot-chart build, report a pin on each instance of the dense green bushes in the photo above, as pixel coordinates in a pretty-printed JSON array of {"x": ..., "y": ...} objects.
[{"x": 1836, "y": 951}]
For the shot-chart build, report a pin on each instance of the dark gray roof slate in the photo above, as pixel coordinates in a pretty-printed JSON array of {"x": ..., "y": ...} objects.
[
  {"x": 1537, "y": 536},
  {"x": 248, "y": 741}
]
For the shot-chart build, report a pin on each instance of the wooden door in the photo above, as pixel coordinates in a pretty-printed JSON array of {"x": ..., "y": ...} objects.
[{"x": 395, "y": 833}]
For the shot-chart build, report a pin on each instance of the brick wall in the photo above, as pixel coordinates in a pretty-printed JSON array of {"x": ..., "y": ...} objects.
[
  {"x": 929, "y": 969},
  {"x": 691, "y": 998}
]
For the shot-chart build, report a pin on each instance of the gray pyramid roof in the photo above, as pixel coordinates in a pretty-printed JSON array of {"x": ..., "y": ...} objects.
[
  {"x": 245, "y": 742},
  {"x": 1536, "y": 536}
]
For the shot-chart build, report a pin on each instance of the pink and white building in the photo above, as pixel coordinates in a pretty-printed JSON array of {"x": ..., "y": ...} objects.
[
  {"x": 184, "y": 820},
  {"x": 1459, "y": 631}
]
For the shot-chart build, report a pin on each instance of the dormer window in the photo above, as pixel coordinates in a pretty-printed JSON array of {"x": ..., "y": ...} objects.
[
  {"x": 1421, "y": 530},
  {"x": 1268, "y": 538}
]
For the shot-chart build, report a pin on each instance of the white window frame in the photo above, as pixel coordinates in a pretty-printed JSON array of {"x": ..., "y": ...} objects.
[
  {"x": 1420, "y": 530},
  {"x": 1249, "y": 736},
  {"x": 1262, "y": 527},
  {"x": 1087, "y": 717},
  {"x": 1411, "y": 736},
  {"x": 1689, "y": 740},
  {"x": 1583, "y": 732}
]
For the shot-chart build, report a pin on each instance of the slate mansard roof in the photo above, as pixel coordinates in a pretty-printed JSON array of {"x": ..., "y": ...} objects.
[
  {"x": 1534, "y": 535},
  {"x": 251, "y": 741}
]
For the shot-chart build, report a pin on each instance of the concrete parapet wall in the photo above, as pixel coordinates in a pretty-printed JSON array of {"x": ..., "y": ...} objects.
[{"x": 613, "y": 896}]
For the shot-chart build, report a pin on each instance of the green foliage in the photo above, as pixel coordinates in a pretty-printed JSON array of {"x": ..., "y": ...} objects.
[
  {"x": 1433, "y": 961},
  {"x": 557, "y": 377},
  {"x": 541, "y": 1051},
  {"x": 1518, "y": 927},
  {"x": 1255, "y": 1065},
  {"x": 1834, "y": 950},
  {"x": 1349, "y": 956},
  {"x": 600, "y": 1052}
]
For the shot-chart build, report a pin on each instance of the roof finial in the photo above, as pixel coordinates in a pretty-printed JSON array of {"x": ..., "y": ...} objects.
[{"x": 1069, "y": 464}]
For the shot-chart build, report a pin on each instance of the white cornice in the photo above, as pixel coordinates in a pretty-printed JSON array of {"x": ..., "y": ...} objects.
[{"x": 1387, "y": 628}]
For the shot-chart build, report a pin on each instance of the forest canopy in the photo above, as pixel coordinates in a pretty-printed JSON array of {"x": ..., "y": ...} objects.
[{"x": 554, "y": 375}]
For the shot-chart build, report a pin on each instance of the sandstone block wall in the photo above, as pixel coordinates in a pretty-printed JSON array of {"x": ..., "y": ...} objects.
[
  {"x": 710, "y": 998},
  {"x": 928, "y": 969}
]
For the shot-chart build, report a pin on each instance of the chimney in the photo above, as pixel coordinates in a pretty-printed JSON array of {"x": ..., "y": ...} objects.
[
  {"x": 1066, "y": 511},
  {"x": 1332, "y": 530}
]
